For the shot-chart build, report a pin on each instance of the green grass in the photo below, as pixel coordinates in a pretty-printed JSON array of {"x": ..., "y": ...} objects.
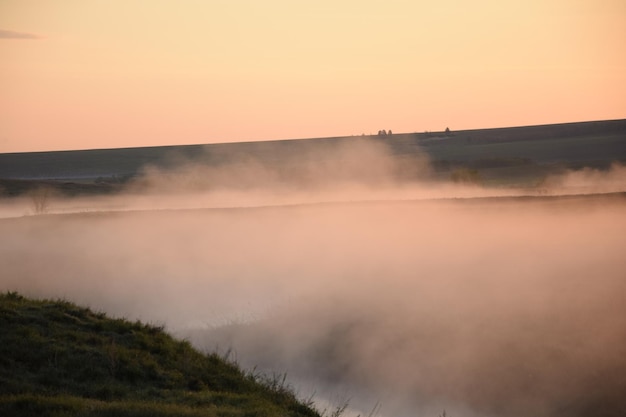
[{"x": 58, "y": 359}]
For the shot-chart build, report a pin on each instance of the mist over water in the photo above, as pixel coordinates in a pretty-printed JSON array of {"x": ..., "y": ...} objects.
[{"x": 361, "y": 289}]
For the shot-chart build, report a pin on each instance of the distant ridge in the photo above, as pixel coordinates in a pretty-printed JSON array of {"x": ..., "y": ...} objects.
[
  {"x": 520, "y": 132},
  {"x": 569, "y": 145}
]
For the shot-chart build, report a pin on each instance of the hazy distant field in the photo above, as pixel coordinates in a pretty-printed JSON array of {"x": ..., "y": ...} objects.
[
  {"x": 510, "y": 155},
  {"x": 481, "y": 273}
]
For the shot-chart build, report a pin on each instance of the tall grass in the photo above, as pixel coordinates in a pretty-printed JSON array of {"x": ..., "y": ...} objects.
[{"x": 60, "y": 359}]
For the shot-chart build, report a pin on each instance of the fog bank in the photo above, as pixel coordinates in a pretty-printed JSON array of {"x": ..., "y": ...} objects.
[
  {"x": 359, "y": 276},
  {"x": 507, "y": 307}
]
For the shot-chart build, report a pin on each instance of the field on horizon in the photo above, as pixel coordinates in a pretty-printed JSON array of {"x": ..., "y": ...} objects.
[
  {"x": 481, "y": 275},
  {"x": 502, "y": 154}
]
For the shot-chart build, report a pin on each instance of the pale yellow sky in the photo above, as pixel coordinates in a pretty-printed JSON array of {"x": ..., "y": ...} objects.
[{"x": 113, "y": 73}]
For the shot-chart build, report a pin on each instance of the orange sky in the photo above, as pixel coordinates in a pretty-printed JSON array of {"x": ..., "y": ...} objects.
[{"x": 80, "y": 74}]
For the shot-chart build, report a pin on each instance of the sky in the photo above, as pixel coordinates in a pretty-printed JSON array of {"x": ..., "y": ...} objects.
[{"x": 85, "y": 74}]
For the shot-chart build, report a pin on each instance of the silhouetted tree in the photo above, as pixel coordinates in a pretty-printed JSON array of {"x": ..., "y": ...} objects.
[
  {"x": 40, "y": 199},
  {"x": 466, "y": 175}
]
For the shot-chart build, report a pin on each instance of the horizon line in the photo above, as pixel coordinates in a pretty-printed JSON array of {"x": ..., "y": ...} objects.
[{"x": 323, "y": 137}]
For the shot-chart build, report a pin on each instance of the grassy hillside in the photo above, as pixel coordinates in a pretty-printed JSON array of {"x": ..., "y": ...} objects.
[
  {"x": 58, "y": 359},
  {"x": 519, "y": 155}
]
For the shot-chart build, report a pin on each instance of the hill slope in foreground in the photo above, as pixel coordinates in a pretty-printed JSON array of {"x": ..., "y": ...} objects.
[{"x": 59, "y": 359}]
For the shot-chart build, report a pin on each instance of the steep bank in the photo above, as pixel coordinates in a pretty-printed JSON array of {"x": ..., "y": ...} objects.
[{"x": 60, "y": 359}]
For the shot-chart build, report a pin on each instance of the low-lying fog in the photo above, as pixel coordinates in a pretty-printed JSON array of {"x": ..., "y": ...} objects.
[{"x": 505, "y": 307}]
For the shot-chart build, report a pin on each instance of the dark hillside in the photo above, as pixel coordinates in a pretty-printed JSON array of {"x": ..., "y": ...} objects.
[
  {"x": 521, "y": 155},
  {"x": 508, "y": 156},
  {"x": 62, "y": 360}
]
